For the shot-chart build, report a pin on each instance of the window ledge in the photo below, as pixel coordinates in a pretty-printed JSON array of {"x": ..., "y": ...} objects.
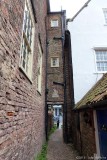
[
  {"x": 54, "y": 66},
  {"x": 102, "y": 72},
  {"x": 22, "y": 70},
  {"x": 39, "y": 92}
]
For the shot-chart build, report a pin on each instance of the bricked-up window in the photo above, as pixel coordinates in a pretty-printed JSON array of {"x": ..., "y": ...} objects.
[
  {"x": 39, "y": 71},
  {"x": 54, "y": 23},
  {"x": 27, "y": 40},
  {"x": 55, "y": 62},
  {"x": 105, "y": 14},
  {"x": 101, "y": 60}
]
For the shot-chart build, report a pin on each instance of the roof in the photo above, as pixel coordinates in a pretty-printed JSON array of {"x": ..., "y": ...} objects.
[
  {"x": 96, "y": 94},
  {"x": 85, "y": 5}
]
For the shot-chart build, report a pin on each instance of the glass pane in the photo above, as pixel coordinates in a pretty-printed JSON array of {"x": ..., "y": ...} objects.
[
  {"x": 26, "y": 68},
  {"x": 24, "y": 54},
  {"x": 23, "y": 64},
  {"x": 25, "y": 21}
]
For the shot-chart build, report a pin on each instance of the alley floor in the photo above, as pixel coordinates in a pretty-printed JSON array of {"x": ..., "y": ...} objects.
[{"x": 58, "y": 150}]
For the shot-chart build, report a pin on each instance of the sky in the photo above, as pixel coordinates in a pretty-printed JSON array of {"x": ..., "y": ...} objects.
[{"x": 71, "y": 6}]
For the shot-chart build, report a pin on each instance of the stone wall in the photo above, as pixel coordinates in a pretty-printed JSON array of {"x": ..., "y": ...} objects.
[{"x": 22, "y": 108}]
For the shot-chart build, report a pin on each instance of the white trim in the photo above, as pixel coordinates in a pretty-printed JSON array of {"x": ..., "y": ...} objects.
[
  {"x": 105, "y": 17},
  {"x": 39, "y": 65},
  {"x": 95, "y": 50},
  {"x": 57, "y": 65},
  {"x": 28, "y": 7},
  {"x": 54, "y": 23},
  {"x": 96, "y": 135},
  {"x": 103, "y": 48}
]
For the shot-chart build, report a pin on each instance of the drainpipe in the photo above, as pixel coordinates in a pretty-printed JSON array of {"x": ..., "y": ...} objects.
[{"x": 46, "y": 89}]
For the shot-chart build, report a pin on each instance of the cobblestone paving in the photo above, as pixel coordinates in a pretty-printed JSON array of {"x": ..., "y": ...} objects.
[{"x": 57, "y": 150}]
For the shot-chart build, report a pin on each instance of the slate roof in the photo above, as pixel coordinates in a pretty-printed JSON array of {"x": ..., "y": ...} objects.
[{"x": 96, "y": 94}]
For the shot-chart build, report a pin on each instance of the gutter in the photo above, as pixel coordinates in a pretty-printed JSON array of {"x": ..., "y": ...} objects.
[{"x": 96, "y": 105}]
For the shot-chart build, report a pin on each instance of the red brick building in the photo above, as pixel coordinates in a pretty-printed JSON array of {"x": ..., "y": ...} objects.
[
  {"x": 59, "y": 68},
  {"x": 22, "y": 78},
  {"x": 32, "y": 41}
]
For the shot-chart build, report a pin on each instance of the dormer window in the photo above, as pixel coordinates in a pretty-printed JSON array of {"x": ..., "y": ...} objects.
[{"x": 54, "y": 23}]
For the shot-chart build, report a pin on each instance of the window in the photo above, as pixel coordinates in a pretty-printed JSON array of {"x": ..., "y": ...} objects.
[
  {"x": 105, "y": 14},
  {"x": 54, "y": 23},
  {"x": 39, "y": 71},
  {"x": 27, "y": 41},
  {"x": 101, "y": 60},
  {"x": 54, "y": 62}
]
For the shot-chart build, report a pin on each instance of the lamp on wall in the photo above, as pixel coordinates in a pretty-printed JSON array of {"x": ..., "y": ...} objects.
[{"x": 86, "y": 118}]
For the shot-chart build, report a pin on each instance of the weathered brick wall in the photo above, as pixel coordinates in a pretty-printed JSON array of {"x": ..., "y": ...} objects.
[
  {"x": 54, "y": 74},
  {"x": 22, "y": 108},
  {"x": 69, "y": 97},
  {"x": 50, "y": 121},
  {"x": 87, "y": 136}
]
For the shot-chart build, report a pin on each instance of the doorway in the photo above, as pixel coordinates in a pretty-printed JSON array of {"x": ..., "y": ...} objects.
[{"x": 102, "y": 130}]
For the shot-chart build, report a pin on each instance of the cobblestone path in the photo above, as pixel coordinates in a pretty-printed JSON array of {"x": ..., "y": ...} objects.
[{"x": 57, "y": 150}]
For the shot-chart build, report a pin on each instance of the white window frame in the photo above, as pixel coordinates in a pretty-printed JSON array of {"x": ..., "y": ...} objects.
[
  {"x": 98, "y": 50},
  {"x": 54, "y": 23},
  {"x": 27, "y": 42},
  {"x": 57, "y": 64},
  {"x": 39, "y": 69},
  {"x": 105, "y": 15}
]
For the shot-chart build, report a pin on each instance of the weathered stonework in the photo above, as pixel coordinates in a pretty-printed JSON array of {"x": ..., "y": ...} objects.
[{"x": 22, "y": 108}]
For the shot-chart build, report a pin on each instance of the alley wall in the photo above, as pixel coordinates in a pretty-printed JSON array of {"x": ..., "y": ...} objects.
[{"x": 22, "y": 107}]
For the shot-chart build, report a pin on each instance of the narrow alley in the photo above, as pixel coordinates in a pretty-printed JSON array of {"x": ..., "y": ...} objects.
[{"x": 58, "y": 150}]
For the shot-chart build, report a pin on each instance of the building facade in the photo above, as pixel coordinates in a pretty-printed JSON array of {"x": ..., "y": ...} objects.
[
  {"x": 59, "y": 68},
  {"x": 88, "y": 30},
  {"x": 91, "y": 131},
  {"x": 33, "y": 75},
  {"x": 22, "y": 78}
]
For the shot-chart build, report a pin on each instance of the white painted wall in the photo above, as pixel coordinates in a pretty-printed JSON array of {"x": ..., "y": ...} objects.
[{"x": 88, "y": 30}]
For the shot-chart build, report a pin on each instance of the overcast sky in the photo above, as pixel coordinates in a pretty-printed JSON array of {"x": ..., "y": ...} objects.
[{"x": 71, "y": 6}]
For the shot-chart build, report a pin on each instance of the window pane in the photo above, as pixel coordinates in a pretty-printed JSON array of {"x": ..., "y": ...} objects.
[
  {"x": 54, "y": 23},
  {"x": 23, "y": 64},
  {"x": 105, "y": 15}
]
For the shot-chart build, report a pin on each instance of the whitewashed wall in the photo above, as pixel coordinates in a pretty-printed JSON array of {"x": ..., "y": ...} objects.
[{"x": 88, "y": 30}]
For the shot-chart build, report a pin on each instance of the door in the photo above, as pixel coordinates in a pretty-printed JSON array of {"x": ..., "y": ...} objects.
[{"x": 102, "y": 130}]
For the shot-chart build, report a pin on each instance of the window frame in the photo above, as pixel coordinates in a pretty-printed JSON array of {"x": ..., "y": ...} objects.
[
  {"x": 100, "y": 61},
  {"x": 105, "y": 15},
  {"x": 52, "y": 62},
  {"x": 39, "y": 68},
  {"x": 28, "y": 41},
  {"x": 52, "y": 23}
]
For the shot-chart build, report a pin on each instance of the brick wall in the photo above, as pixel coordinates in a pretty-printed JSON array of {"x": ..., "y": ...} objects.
[
  {"x": 22, "y": 108},
  {"x": 69, "y": 93},
  {"x": 54, "y": 74},
  {"x": 84, "y": 137},
  {"x": 88, "y": 136}
]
